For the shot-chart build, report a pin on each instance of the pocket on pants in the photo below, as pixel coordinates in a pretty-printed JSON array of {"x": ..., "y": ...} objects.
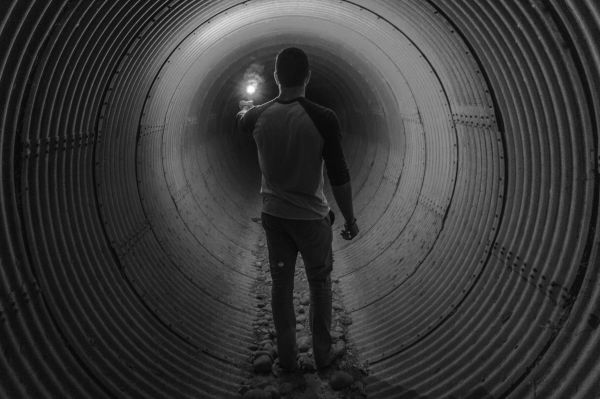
[
  {"x": 331, "y": 216},
  {"x": 316, "y": 249}
]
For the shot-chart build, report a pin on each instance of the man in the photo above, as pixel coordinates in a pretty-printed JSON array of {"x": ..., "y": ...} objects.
[{"x": 294, "y": 136}]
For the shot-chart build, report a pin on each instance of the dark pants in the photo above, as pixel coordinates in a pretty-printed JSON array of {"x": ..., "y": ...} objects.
[{"x": 285, "y": 237}]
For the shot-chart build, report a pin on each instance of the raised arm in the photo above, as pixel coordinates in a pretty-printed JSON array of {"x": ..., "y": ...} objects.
[{"x": 241, "y": 121}]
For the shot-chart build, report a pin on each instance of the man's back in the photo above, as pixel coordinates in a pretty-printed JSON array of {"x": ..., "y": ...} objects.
[{"x": 293, "y": 138}]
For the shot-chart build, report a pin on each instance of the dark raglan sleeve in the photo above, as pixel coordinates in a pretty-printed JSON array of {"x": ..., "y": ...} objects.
[{"x": 333, "y": 154}]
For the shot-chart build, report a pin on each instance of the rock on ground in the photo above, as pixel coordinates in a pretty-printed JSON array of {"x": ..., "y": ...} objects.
[
  {"x": 304, "y": 343},
  {"x": 257, "y": 394},
  {"x": 262, "y": 364},
  {"x": 340, "y": 380}
]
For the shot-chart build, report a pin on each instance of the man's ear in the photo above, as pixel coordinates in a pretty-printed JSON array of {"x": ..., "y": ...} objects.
[{"x": 307, "y": 78}]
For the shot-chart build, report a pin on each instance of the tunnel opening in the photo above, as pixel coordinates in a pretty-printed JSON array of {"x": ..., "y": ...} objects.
[
  {"x": 128, "y": 245},
  {"x": 402, "y": 148},
  {"x": 334, "y": 84}
]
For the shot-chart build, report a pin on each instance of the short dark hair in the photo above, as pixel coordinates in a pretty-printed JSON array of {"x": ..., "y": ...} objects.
[{"x": 291, "y": 66}]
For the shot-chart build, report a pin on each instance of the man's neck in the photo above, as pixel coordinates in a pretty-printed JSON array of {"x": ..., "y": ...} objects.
[{"x": 290, "y": 93}]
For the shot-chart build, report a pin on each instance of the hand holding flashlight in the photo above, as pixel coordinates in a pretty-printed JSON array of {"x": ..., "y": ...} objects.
[{"x": 245, "y": 105}]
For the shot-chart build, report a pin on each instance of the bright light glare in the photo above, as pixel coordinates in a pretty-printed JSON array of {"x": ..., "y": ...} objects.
[{"x": 251, "y": 89}]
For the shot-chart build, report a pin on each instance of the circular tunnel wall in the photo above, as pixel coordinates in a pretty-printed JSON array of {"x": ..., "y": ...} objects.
[{"x": 129, "y": 199}]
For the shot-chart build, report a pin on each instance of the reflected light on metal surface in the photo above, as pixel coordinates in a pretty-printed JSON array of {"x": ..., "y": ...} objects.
[{"x": 129, "y": 202}]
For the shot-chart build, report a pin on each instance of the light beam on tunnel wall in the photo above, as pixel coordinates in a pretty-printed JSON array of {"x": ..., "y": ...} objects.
[{"x": 489, "y": 291}]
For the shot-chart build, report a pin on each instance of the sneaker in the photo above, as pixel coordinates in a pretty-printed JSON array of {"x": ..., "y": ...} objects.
[
  {"x": 282, "y": 371},
  {"x": 335, "y": 352}
]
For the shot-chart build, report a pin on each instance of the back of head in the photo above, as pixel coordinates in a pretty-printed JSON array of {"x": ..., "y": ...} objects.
[{"x": 291, "y": 66}]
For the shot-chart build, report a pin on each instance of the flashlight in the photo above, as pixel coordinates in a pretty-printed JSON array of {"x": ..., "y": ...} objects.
[{"x": 251, "y": 87}]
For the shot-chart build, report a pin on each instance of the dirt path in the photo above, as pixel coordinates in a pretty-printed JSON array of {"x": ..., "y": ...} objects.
[{"x": 345, "y": 379}]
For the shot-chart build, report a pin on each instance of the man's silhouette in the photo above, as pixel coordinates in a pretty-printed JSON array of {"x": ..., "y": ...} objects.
[{"x": 294, "y": 136}]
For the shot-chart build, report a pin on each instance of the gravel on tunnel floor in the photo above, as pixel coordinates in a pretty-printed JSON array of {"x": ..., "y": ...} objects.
[{"x": 264, "y": 379}]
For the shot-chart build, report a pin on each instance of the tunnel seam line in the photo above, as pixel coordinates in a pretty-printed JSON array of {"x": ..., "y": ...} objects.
[
  {"x": 489, "y": 252},
  {"x": 387, "y": 207},
  {"x": 175, "y": 204},
  {"x": 162, "y": 131},
  {"x": 26, "y": 248},
  {"x": 445, "y": 216},
  {"x": 112, "y": 249},
  {"x": 398, "y": 235},
  {"x": 575, "y": 288},
  {"x": 397, "y": 185},
  {"x": 582, "y": 270},
  {"x": 380, "y": 253},
  {"x": 152, "y": 85}
]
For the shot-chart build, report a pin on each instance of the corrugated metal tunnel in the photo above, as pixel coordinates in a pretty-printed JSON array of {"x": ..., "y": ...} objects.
[{"x": 127, "y": 198}]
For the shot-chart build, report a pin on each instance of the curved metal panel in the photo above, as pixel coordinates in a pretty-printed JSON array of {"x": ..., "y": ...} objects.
[{"x": 127, "y": 242}]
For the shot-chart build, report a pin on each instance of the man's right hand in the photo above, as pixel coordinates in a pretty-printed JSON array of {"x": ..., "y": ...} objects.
[
  {"x": 245, "y": 105},
  {"x": 350, "y": 230}
]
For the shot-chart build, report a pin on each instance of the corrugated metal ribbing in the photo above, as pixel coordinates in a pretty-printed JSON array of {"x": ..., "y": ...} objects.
[
  {"x": 38, "y": 360},
  {"x": 126, "y": 236},
  {"x": 570, "y": 368},
  {"x": 404, "y": 331},
  {"x": 101, "y": 333}
]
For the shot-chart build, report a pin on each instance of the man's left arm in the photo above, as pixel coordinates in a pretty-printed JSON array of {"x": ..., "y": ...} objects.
[{"x": 338, "y": 173}]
